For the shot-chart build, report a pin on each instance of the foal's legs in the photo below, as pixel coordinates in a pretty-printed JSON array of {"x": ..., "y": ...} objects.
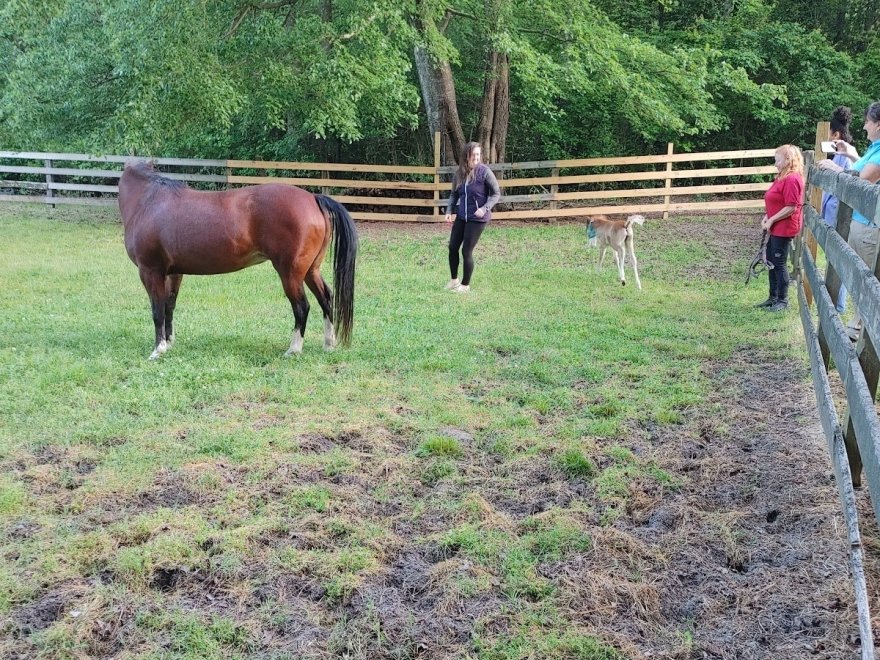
[
  {"x": 154, "y": 283},
  {"x": 618, "y": 259},
  {"x": 632, "y": 255},
  {"x": 325, "y": 299},
  {"x": 172, "y": 287}
]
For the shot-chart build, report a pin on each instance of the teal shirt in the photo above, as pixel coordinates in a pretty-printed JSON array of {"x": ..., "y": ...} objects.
[{"x": 871, "y": 157}]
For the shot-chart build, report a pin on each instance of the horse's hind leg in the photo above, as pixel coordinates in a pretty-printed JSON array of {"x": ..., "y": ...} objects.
[
  {"x": 632, "y": 253},
  {"x": 154, "y": 283},
  {"x": 172, "y": 287},
  {"x": 325, "y": 299},
  {"x": 296, "y": 294}
]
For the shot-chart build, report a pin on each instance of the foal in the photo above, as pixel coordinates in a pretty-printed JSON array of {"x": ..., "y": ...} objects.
[{"x": 618, "y": 235}]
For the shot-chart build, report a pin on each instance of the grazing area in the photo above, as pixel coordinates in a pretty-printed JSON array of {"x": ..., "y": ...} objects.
[{"x": 549, "y": 466}]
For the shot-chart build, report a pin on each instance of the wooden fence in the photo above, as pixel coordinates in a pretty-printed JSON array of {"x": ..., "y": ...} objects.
[
  {"x": 531, "y": 190},
  {"x": 854, "y": 442}
]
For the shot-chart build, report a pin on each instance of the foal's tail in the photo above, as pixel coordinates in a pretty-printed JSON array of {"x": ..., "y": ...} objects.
[
  {"x": 633, "y": 219},
  {"x": 638, "y": 219},
  {"x": 345, "y": 246}
]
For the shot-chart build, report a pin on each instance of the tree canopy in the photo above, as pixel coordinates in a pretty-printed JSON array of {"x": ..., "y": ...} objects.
[{"x": 371, "y": 79}]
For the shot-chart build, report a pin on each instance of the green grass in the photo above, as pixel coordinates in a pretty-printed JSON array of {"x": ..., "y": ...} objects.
[{"x": 205, "y": 461}]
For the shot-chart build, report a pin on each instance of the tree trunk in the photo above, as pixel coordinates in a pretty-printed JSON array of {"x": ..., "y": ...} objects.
[
  {"x": 495, "y": 110},
  {"x": 438, "y": 94}
]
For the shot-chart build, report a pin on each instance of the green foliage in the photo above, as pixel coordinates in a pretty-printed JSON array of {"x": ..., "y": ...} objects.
[{"x": 235, "y": 79}]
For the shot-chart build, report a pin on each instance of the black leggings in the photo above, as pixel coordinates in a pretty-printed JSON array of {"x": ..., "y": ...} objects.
[
  {"x": 464, "y": 236},
  {"x": 777, "y": 254}
]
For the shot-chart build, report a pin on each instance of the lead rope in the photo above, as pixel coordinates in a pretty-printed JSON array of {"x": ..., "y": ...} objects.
[{"x": 759, "y": 263}]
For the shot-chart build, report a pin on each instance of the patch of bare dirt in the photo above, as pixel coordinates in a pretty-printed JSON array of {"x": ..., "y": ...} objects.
[{"x": 755, "y": 551}]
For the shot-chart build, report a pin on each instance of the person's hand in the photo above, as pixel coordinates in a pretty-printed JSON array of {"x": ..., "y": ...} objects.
[
  {"x": 447, "y": 217},
  {"x": 480, "y": 212},
  {"x": 845, "y": 148},
  {"x": 765, "y": 222},
  {"x": 828, "y": 164}
]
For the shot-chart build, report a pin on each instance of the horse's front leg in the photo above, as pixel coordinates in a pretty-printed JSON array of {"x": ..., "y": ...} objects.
[
  {"x": 154, "y": 283},
  {"x": 618, "y": 259},
  {"x": 172, "y": 287}
]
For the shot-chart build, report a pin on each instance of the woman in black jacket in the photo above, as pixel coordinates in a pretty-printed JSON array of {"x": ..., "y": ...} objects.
[{"x": 474, "y": 192}]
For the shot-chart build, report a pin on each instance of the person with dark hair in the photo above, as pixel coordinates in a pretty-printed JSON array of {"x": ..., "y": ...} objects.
[
  {"x": 864, "y": 235},
  {"x": 475, "y": 191},
  {"x": 839, "y": 130}
]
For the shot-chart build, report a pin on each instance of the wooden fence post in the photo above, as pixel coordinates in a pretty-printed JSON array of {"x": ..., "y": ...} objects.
[
  {"x": 554, "y": 189},
  {"x": 436, "y": 173},
  {"x": 49, "y": 192},
  {"x": 227, "y": 172},
  {"x": 325, "y": 176},
  {"x": 822, "y": 130},
  {"x": 668, "y": 185},
  {"x": 800, "y": 241}
]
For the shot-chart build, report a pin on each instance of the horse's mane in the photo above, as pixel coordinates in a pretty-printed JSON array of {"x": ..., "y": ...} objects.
[{"x": 146, "y": 170}]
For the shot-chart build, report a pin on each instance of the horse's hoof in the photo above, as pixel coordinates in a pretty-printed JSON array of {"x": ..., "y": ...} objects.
[
  {"x": 623, "y": 283},
  {"x": 161, "y": 348},
  {"x": 288, "y": 354}
]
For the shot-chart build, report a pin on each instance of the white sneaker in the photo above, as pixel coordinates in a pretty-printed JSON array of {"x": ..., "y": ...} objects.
[
  {"x": 462, "y": 288},
  {"x": 453, "y": 284}
]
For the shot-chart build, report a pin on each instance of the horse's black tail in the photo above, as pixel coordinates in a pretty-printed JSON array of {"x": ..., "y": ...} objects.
[{"x": 345, "y": 246}]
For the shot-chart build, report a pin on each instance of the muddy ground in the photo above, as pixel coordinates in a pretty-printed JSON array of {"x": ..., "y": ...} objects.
[{"x": 746, "y": 559}]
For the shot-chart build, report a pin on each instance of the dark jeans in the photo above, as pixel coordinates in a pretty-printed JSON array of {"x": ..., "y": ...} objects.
[
  {"x": 464, "y": 237},
  {"x": 777, "y": 254}
]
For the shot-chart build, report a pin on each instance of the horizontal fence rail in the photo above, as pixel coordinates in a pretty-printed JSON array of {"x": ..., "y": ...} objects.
[
  {"x": 854, "y": 443},
  {"x": 530, "y": 190}
]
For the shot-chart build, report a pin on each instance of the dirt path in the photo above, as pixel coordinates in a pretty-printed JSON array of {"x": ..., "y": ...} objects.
[{"x": 755, "y": 542}]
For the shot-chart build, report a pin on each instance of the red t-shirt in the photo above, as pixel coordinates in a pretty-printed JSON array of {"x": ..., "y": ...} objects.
[{"x": 787, "y": 191}]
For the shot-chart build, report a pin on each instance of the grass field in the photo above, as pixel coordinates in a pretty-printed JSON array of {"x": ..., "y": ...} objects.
[{"x": 423, "y": 493}]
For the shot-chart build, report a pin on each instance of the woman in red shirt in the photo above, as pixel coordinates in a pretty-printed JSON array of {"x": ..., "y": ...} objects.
[{"x": 783, "y": 219}]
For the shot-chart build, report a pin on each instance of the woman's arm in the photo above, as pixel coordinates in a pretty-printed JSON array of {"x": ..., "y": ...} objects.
[
  {"x": 492, "y": 184},
  {"x": 870, "y": 172},
  {"x": 452, "y": 201},
  {"x": 782, "y": 214},
  {"x": 844, "y": 149}
]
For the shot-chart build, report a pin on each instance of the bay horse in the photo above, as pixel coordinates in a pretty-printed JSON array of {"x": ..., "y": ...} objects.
[{"x": 172, "y": 230}]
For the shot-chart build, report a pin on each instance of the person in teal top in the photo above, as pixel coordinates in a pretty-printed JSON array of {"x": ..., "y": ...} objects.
[{"x": 864, "y": 235}]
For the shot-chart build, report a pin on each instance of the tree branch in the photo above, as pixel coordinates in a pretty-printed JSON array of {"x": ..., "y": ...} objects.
[
  {"x": 444, "y": 22},
  {"x": 254, "y": 6},
  {"x": 545, "y": 34},
  {"x": 273, "y": 5},
  {"x": 244, "y": 11},
  {"x": 354, "y": 33}
]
